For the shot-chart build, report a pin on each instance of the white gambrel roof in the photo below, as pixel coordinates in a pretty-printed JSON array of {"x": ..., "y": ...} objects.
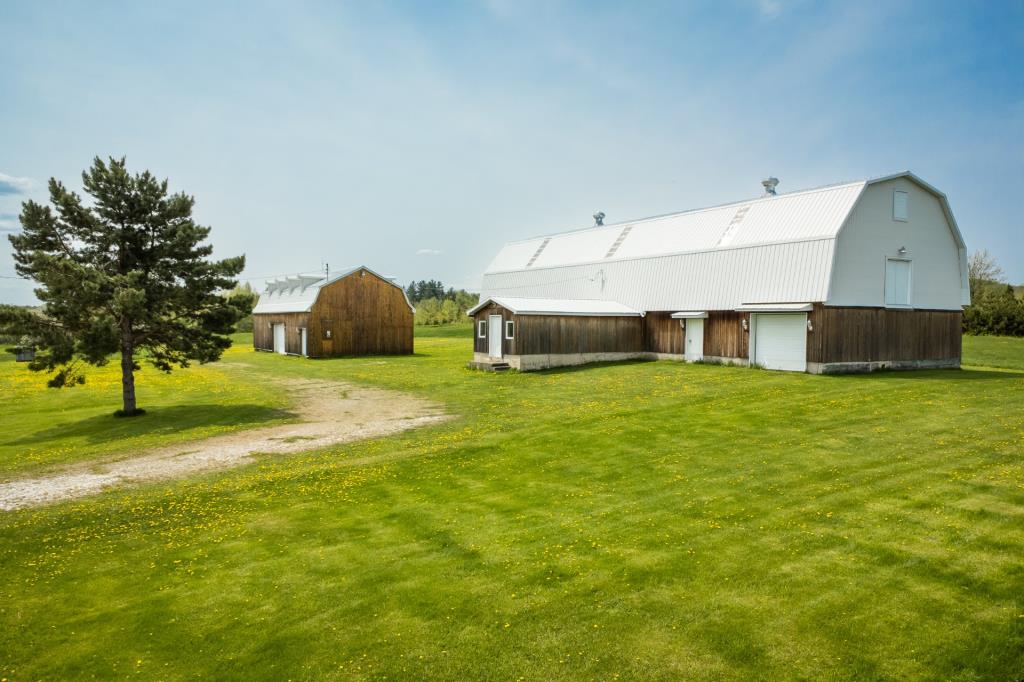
[
  {"x": 552, "y": 306},
  {"x": 771, "y": 249},
  {"x": 297, "y": 293},
  {"x": 816, "y": 213}
]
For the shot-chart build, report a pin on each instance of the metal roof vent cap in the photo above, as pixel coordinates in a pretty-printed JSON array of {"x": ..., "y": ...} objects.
[
  {"x": 599, "y": 218},
  {"x": 769, "y": 185}
]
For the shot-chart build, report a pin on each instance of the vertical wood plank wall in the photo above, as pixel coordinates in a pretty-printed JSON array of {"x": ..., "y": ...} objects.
[
  {"x": 839, "y": 335},
  {"x": 263, "y": 333},
  {"x": 663, "y": 334},
  {"x": 883, "y": 334},
  {"x": 508, "y": 346},
  {"x": 558, "y": 334},
  {"x": 724, "y": 336},
  {"x": 365, "y": 314}
]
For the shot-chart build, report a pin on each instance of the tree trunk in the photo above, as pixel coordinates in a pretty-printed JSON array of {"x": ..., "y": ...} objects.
[{"x": 127, "y": 368}]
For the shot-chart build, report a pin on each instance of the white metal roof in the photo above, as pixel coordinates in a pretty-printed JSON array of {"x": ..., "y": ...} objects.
[
  {"x": 771, "y": 248},
  {"x": 775, "y": 308},
  {"x": 297, "y": 293},
  {"x": 554, "y": 306},
  {"x": 808, "y": 214}
]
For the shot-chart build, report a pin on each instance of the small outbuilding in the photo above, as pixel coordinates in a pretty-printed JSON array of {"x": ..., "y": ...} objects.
[
  {"x": 845, "y": 278},
  {"x": 357, "y": 312}
]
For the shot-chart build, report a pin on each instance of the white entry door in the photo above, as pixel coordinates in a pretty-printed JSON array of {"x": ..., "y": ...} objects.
[
  {"x": 302, "y": 335},
  {"x": 780, "y": 341},
  {"x": 494, "y": 336},
  {"x": 694, "y": 349},
  {"x": 279, "y": 338}
]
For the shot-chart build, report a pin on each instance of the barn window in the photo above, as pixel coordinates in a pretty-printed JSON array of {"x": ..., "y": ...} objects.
[
  {"x": 481, "y": 329},
  {"x": 899, "y": 206},
  {"x": 897, "y": 282},
  {"x": 510, "y": 329},
  {"x": 325, "y": 325}
]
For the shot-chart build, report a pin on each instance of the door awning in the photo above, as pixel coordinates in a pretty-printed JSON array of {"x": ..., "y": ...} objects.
[
  {"x": 690, "y": 315},
  {"x": 775, "y": 308}
]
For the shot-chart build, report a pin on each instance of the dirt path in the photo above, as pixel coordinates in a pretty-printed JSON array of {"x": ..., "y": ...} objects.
[{"x": 331, "y": 412}]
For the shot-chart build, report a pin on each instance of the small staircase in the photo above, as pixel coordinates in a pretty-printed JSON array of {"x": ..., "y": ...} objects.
[{"x": 490, "y": 366}]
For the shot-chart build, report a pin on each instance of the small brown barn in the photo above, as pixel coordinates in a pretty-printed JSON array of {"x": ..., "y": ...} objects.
[{"x": 357, "y": 312}]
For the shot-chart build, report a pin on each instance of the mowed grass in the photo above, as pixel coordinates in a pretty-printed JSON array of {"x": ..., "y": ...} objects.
[
  {"x": 627, "y": 521},
  {"x": 42, "y": 428},
  {"x": 993, "y": 351}
]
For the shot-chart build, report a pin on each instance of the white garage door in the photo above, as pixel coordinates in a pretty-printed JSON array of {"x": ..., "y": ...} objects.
[{"x": 780, "y": 341}]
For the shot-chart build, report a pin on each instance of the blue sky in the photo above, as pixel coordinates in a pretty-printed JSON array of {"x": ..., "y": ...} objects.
[{"x": 418, "y": 137}]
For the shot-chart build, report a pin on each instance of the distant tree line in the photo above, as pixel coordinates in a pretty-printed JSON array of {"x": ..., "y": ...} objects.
[
  {"x": 436, "y": 305},
  {"x": 996, "y": 307}
]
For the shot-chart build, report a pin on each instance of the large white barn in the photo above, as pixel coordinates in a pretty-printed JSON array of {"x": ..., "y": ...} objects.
[{"x": 848, "y": 277}]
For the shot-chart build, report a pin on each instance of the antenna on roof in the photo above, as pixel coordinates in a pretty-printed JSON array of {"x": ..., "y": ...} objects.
[
  {"x": 599, "y": 218},
  {"x": 769, "y": 185},
  {"x": 327, "y": 270}
]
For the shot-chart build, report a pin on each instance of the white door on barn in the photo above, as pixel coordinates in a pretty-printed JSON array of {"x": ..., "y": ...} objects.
[
  {"x": 780, "y": 341},
  {"x": 694, "y": 349},
  {"x": 302, "y": 335},
  {"x": 494, "y": 336},
  {"x": 279, "y": 338}
]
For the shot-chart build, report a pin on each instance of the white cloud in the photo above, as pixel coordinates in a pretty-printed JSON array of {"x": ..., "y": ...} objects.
[
  {"x": 769, "y": 8},
  {"x": 10, "y": 184},
  {"x": 429, "y": 252}
]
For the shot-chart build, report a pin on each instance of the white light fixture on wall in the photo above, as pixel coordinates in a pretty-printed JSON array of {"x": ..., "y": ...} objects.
[
  {"x": 810, "y": 327},
  {"x": 743, "y": 322},
  {"x": 903, "y": 251}
]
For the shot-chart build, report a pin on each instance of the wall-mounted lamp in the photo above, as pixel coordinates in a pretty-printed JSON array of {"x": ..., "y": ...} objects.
[
  {"x": 743, "y": 322},
  {"x": 903, "y": 251},
  {"x": 810, "y": 327}
]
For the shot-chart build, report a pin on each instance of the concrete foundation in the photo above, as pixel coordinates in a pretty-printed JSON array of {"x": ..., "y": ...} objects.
[
  {"x": 529, "y": 363},
  {"x": 865, "y": 367}
]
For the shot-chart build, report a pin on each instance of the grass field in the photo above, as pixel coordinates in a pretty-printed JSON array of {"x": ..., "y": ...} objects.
[
  {"x": 629, "y": 521},
  {"x": 42, "y": 428}
]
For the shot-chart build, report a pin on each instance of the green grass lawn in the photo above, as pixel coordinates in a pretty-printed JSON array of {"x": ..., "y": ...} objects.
[
  {"x": 44, "y": 427},
  {"x": 994, "y": 351},
  {"x": 628, "y": 521}
]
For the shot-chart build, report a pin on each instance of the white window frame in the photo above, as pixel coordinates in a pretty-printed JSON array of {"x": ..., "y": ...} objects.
[
  {"x": 906, "y": 206},
  {"x": 481, "y": 329},
  {"x": 910, "y": 283},
  {"x": 510, "y": 329}
]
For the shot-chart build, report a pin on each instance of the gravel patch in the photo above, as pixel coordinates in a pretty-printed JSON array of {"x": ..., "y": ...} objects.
[{"x": 331, "y": 412}]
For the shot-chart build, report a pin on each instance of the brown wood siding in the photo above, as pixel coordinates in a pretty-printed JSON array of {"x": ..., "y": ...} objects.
[
  {"x": 558, "y": 334},
  {"x": 883, "y": 334},
  {"x": 365, "y": 314},
  {"x": 263, "y": 333},
  {"x": 663, "y": 334},
  {"x": 509, "y": 346},
  {"x": 724, "y": 336}
]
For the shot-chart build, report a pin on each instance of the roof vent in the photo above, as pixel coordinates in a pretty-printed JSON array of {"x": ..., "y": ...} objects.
[
  {"x": 599, "y": 218},
  {"x": 769, "y": 185}
]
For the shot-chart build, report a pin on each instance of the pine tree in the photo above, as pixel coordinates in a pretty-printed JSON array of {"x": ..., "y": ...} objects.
[{"x": 128, "y": 274}]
